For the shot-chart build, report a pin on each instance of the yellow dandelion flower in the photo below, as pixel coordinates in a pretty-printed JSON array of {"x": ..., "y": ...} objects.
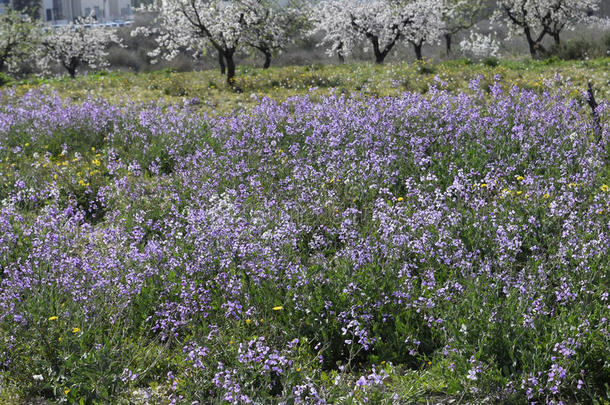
[
  {"x": 75, "y": 330},
  {"x": 546, "y": 196},
  {"x": 278, "y": 308},
  {"x": 400, "y": 199},
  {"x": 66, "y": 391},
  {"x": 605, "y": 188},
  {"x": 298, "y": 369},
  {"x": 248, "y": 321},
  {"x": 519, "y": 192},
  {"x": 520, "y": 178},
  {"x": 230, "y": 342},
  {"x": 262, "y": 320},
  {"x": 53, "y": 318},
  {"x": 27, "y": 144},
  {"x": 483, "y": 185}
]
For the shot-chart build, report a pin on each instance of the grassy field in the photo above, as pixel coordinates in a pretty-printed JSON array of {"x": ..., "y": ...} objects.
[
  {"x": 330, "y": 234},
  {"x": 209, "y": 88}
]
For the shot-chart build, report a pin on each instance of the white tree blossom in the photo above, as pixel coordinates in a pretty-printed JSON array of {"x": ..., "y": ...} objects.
[
  {"x": 535, "y": 19},
  {"x": 79, "y": 43},
  {"x": 18, "y": 38},
  {"x": 458, "y": 15},
  {"x": 382, "y": 23},
  {"x": 273, "y": 26},
  {"x": 197, "y": 25},
  {"x": 425, "y": 23},
  {"x": 480, "y": 46}
]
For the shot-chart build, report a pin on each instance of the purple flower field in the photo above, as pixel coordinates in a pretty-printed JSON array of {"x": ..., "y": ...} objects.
[{"x": 348, "y": 250}]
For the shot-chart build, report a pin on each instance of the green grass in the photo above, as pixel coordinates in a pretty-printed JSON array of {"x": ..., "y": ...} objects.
[{"x": 282, "y": 82}]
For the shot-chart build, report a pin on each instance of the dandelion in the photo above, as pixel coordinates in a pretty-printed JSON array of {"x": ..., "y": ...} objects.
[
  {"x": 75, "y": 330},
  {"x": 248, "y": 321},
  {"x": 520, "y": 178},
  {"x": 278, "y": 308},
  {"x": 400, "y": 199},
  {"x": 53, "y": 318}
]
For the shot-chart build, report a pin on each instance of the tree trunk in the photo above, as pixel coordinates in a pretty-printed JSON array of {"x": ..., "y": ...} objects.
[
  {"x": 556, "y": 38},
  {"x": 536, "y": 49},
  {"x": 340, "y": 53},
  {"x": 230, "y": 68},
  {"x": 72, "y": 66},
  {"x": 448, "y": 44},
  {"x": 221, "y": 62},
  {"x": 267, "y": 63},
  {"x": 379, "y": 55},
  {"x": 417, "y": 49}
]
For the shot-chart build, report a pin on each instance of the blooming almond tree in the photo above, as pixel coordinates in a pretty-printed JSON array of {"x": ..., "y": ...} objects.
[
  {"x": 77, "y": 44},
  {"x": 382, "y": 23},
  {"x": 273, "y": 27},
  {"x": 458, "y": 15},
  {"x": 18, "y": 38},
  {"x": 196, "y": 25},
  {"x": 424, "y": 25},
  {"x": 536, "y": 19},
  {"x": 346, "y": 22}
]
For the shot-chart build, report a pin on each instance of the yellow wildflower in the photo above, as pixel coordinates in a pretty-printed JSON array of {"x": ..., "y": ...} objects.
[
  {"x": 278, "y": 308},
  {"x": 400, "y": 199},
  {"x": 520, "y": 178},
  {"x": 547, "y": 196},
  {"x": 75, "y": 330},
  {"x": 66, "y": 391},
  {"x": 605, "y": 188},
  {"x": 53, "y": 318},
  {"x": 248, "y": 321}
]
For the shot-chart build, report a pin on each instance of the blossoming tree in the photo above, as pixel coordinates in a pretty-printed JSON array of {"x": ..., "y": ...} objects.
[
  {"x": 382, "y": 23},
  {"x": 458, "y": 15},
  {"x": 535, "y": 19},
  {"x": 273, "y": 27},
  {"x": 79, "y": 43},
  {"x": 197, "y": 25},
  {"x": 18, "y": 37}
]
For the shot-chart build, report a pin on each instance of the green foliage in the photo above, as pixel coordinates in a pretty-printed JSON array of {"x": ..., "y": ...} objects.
[{"x": 4, "y": 79}]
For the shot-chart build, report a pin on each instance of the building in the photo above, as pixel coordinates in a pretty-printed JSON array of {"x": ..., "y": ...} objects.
[{"x": 58, "y": 12}]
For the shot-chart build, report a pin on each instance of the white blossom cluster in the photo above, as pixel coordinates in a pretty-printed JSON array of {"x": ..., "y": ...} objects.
[
  {"x": 535, "y": 19},
  {"x": 480, "y": 46},
  {"x": 381, "y": 23},
  {"x": 19, "y": 35},
  {"x": 79, "y": 43}
]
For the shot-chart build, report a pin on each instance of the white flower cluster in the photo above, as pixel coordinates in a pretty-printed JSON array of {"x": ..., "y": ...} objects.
[
  {"x": 480, "y": 46},
  {"x": 79, "y": 43}
]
